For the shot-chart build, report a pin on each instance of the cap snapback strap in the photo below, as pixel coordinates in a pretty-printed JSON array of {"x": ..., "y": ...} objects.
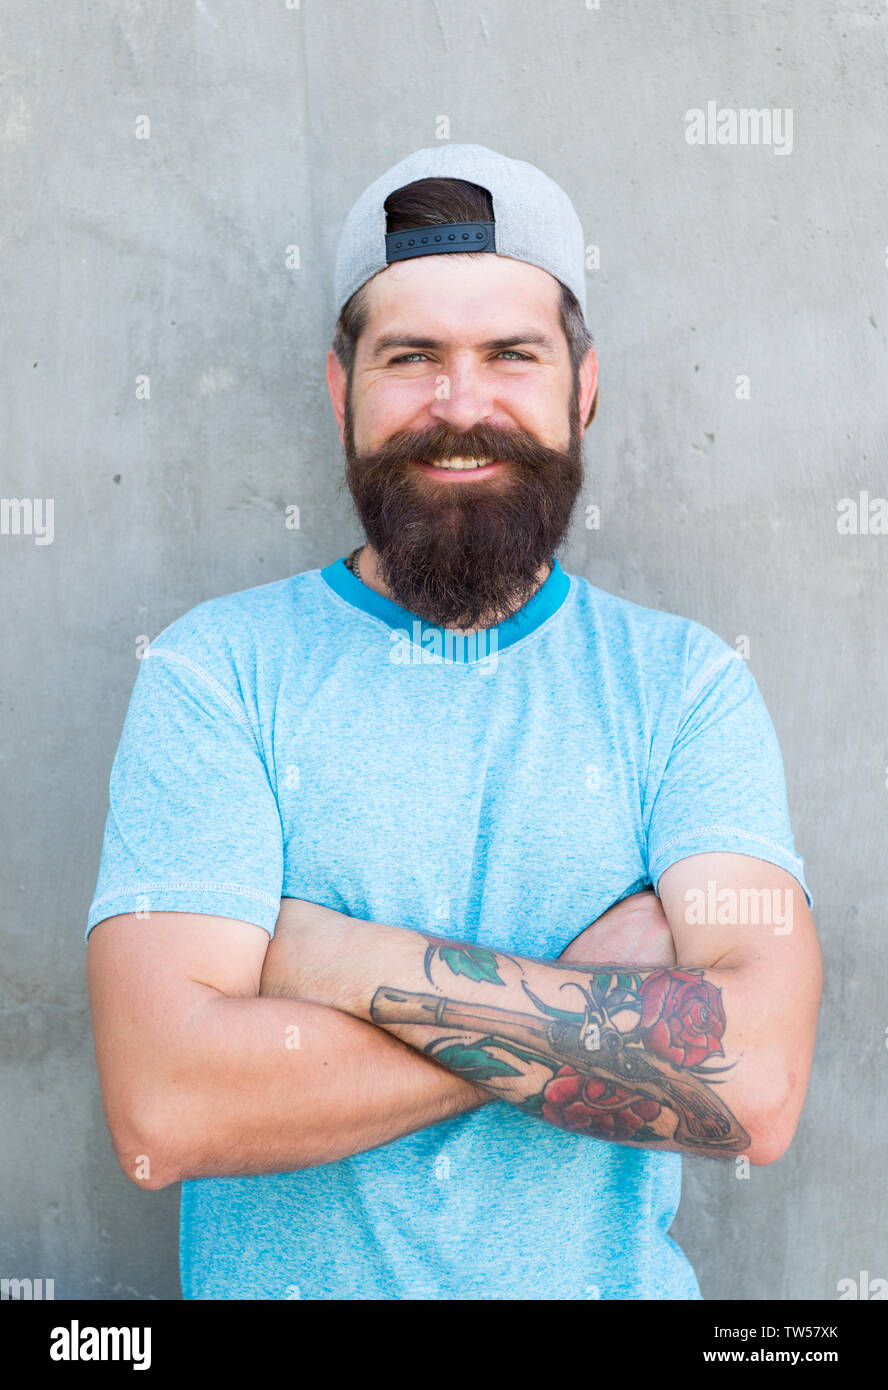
[{"x": 429, "y": 241}]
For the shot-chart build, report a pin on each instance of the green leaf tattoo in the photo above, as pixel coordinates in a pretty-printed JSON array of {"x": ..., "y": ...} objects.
[
  {"x": 475, "y": 962},
  {"x": 473, "y": 1062},
  {"x": 533, "y": 1105},
  {"x": 647, "y": 1080},
  {"x": 629, "y": 982}
]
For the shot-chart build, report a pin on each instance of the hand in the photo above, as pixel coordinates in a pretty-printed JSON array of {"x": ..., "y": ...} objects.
[{"x": 634, "y": 931}]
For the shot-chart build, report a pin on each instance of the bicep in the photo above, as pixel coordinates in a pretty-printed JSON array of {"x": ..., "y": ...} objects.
[
  {"x": 148, "y": 977},
  {"x": 726, "y": 909},
  {"x": 746, "y": 923}
]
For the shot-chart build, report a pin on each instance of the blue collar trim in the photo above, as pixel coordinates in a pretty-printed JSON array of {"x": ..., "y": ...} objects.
[{"x": 546, "y": 601}]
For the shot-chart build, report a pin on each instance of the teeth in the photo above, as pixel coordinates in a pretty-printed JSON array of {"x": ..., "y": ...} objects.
[{"x": 459, "y": 463}]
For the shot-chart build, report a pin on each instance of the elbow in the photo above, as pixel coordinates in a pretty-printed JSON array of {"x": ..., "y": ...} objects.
[
  {"x": 774, "y": 1127},
  {"x": 770, "y": 1147},
  {"x": 144, "y": 1149},
  {"x": 146, "y": 1166}
]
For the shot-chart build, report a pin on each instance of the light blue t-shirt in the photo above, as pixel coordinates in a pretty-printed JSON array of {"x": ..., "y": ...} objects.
[{"x": 309, "y": 738}]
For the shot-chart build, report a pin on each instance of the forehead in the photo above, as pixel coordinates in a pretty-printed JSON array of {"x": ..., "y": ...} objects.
[{"x": 450, "y": 296}]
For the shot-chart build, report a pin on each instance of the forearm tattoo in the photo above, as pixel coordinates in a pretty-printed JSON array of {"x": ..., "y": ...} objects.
[{"x": 632, "y": 1061}]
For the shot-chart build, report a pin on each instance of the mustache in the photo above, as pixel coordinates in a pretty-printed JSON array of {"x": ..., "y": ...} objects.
[{"x": 442, "y": 442}]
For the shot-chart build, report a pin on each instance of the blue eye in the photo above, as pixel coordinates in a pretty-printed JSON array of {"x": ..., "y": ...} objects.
[{"x": 415, "y": 356}]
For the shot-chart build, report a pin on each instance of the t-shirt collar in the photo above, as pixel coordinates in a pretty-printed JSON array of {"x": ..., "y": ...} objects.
[{"x": 540, "y": 606}]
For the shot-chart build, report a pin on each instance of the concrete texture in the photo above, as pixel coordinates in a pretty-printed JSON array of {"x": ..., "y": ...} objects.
[{"x": 124, "y": 257}]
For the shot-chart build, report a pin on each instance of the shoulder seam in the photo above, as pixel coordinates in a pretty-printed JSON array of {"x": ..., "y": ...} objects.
[
  {"x": 712, "y": 669},
  {"x": 218, "y": 689}
]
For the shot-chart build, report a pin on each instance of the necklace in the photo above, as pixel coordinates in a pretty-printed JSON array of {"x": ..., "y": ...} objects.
[{"x": 352, "y": 563}]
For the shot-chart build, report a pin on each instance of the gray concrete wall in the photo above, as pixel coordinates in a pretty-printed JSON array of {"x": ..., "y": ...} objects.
[{"x": 124, "y": 257}]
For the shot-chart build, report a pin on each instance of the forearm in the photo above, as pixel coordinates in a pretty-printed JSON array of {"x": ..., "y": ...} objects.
[
  {"x": 267, "y": 1086},
  {"x": 677, "y": 1060}
]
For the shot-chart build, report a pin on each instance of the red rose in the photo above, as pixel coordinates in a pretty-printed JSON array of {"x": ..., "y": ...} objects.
[
  {"x": 682, "y": 1019},
  {"x": 588, "y": 1105}
]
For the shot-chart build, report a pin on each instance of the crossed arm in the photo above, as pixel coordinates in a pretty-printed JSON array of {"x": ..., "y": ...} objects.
[
  {"x": 204, "y": 1076},
  {"x": 709, "y": 1056}
]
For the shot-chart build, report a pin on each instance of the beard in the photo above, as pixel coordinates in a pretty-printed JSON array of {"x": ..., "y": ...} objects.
[{"x": 464, "y": 555}]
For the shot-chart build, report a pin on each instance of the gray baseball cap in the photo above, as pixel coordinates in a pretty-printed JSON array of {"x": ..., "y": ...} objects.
[{"x": 534, "y": 220}]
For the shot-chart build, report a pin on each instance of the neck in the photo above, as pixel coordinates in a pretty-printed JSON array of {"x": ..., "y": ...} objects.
[{"x": 368, "y": 563}]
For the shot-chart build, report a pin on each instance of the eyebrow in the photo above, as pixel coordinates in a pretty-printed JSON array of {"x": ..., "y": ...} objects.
[{"x": 395, "y": 340}]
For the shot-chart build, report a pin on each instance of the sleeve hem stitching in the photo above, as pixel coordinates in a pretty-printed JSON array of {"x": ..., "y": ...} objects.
[
  {"x": 187, "y": 885},
  {"x": 719, "y": 830}
]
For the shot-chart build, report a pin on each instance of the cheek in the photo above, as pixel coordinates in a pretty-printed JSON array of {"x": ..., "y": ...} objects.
[
  {"x": 392, "y": 405},
  {"x": 535, "y": 410}
]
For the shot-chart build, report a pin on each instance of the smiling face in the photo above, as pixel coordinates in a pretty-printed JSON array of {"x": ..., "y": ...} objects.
[{"x": 463, "y": 361}]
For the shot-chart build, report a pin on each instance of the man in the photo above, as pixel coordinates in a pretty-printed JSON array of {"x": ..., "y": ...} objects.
[{"x": 445, "y": 777}]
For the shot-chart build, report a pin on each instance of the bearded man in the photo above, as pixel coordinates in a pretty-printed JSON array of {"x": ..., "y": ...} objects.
[{"x": 447, "y": 900}]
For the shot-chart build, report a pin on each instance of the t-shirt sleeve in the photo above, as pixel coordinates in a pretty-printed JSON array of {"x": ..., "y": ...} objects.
[
  {"x": 723, "y": 787},
  {"x": 193, "y": 822}
]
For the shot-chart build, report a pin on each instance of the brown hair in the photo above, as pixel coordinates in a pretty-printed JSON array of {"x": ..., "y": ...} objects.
[{"x": 428, "y": 203}]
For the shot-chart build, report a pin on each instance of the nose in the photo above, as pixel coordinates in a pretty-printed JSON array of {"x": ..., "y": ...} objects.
[{"x": 461, "y": 398}]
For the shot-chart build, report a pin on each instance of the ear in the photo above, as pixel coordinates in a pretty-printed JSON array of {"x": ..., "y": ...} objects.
[
  {"x": 337, "y": 385},
  {"x": 588, "y": 389}
]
